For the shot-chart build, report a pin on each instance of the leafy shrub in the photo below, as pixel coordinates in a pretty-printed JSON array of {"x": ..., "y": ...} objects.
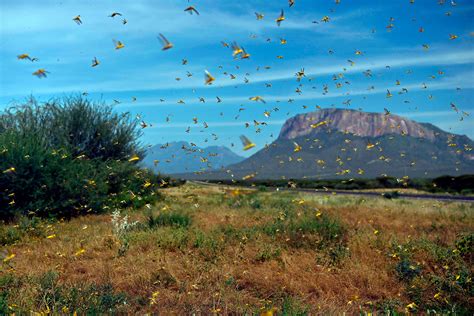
[
  {"x": 78, "y": 126},
  {"x": 465, "y": 245},
  {"x": 268, "y": 253},
  {"x": 406, "y": 270},
  {"x": 69, "y": 157}
]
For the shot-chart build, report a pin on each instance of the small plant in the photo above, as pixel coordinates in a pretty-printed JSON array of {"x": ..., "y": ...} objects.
[
  {"x": 268, "y": 253},
  {"x": 169, "y": 219},
  {"x": 172, "y": 238},
  {"x": 406, "y": 270},
  {"x": 121, "y": 227},
  {"x": 8, "y": 284},
  {"x": 209, "y": 244},
  {"x": 9, "y": 235},
  {"x": 389, "y": 307},
  {"x": 292, "y": 306}
]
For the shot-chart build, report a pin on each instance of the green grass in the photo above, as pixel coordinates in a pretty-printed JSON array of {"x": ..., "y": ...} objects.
[
  {"x": 169, "y": 219},
  {"x": 49, "y": 295},
  {"x": 293, "y": 254}
]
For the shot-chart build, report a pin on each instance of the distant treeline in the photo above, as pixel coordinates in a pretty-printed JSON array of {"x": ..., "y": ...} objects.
[{"x": 445, "y": 184}]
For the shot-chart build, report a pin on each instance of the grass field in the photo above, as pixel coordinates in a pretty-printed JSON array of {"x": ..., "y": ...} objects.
[{"x": 208, "y": 250}]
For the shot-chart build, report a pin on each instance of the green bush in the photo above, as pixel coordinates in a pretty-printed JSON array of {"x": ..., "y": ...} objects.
[
  {"x": 78, "y": 126},
  {"x": 169, "y": 219},
  {"x": 69, "y": 157}
]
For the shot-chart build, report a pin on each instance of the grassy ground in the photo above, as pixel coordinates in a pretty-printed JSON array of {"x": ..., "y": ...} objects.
[{"x": 213, "y": 250}]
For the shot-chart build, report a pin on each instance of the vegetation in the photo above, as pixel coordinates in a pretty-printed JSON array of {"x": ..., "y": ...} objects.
[
  {"x": 446, "y": 184},
  {"x": 212, "y": 249},
  {"x": 199, "y": 250},
  {"x": 69, "y": 157}
]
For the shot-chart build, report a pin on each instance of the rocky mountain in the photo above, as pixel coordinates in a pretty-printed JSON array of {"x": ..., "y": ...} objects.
[
  {"x": 182, "y": 157},
  {"x": 355, "y": 122},
  {"x": 337, "y": 143}
]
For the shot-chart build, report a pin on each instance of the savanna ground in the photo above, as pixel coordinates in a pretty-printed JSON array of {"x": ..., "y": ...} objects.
[{"x": 208, "y": 250}]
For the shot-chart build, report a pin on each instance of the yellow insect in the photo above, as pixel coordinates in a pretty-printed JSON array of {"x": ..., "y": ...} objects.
[
  {"x": 259, "y": 16},
  {"x": 319, "y": 124},
  {"x": 9, "y": 257},
  {"x": 80, "y": 252},
  {"x": 281, "y": 18},
  {"x": 166, "y": 44},
  {"x": 257, "y": 98},
  {"x": 236, "y": 49},
  {"x": 118, "y": 44},
  {"x": 297, "y": 147},
  {"x": 134, "y": 158},
  {"x": 248, "y": 144},
  {"x": 26, "y": 56},
  {"x": 244, "y": 54},
  {"x": 77, "y": 19},
  {"x": 40, "y": 73},
  {"x": 411, "y": 306},
  {"x": 95, "y": 62},
  {"x": 191, "y": 10},
  {"x": 208, "y": 78},
  {"x": 153, "y": 297},
  {"x": 9, "y": 170},
  {"x": 249, "y": 176}
]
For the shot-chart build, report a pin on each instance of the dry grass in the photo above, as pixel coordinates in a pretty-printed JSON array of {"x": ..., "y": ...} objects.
[{"x": 245, "y": 254}]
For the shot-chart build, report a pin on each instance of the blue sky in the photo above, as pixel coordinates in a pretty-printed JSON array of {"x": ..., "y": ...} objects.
[{"x": 434, "y": 77}]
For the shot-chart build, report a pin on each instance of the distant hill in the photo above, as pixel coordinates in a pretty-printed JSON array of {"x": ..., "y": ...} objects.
[
  {"x": 181, "y": 157},
  {"x": 340, "y": 143}
]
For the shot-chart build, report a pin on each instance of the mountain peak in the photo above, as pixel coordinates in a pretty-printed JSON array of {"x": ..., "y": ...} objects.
[
  {"x": 359, "y": 123},
  {"x": 181, "y": 157}
]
